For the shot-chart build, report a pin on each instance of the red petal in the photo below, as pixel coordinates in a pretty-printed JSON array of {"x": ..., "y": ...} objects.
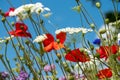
[
  {"x": 12, "y": 32},
  {"x": 114, "y": 49},
  {"x": 77, "y": 56},
  {"x": 61, "y": 36},
  {"x": 20, "y": 33},
  {"x": 105, "y": 73},
  {"x": 11, "y": 9},
  {"x": 21, "y": 26},
  {"x": 49, "y": 47},
  {"x": 103, "y": 51},
  {"x": 57, "y": 46},
  {"x": 48, "y": 40},
  {"x": 7, "y": 13}
]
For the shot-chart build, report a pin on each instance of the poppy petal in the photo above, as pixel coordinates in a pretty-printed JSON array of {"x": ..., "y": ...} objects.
[
  {"x": 7, "y": 13},
  {"x": 61, "y": 36},
  {"x": 49, "y": 47},
  {"x": 114, "y": 49},
  {"x": 77, "y": 56},
  {"x": 104, "y": 73},
  {"x": 48, "y": 40},
  {"x": 21, "y": 26}
]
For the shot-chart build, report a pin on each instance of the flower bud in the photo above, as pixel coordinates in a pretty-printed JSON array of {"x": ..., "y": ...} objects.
[
  {"x": 58, "y": 55},
  {"x": 1, "y": 56},
  {"x": 12, "y": 23},
  {"x": 27, "y": 42},
  {"x": 56, "y": 61},
  {"x": 106, "y": 20},
  {"x": 91, "y": 47},
  {"x": 92, "y": 26},
  {"x": 3, "y": 19},
  {"x": 102, "y": 31},
  {"x": 98, "y": 4}
]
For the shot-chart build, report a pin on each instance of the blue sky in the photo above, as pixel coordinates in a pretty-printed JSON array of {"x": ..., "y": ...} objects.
[{"x": 62, "y": 14}]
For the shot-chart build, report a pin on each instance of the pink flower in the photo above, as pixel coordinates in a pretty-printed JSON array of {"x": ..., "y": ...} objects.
[{"x": 47, "y": 68}]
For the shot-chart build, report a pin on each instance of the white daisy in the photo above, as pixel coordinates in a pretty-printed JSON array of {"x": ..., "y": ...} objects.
[{"x": 40, "y": 38}]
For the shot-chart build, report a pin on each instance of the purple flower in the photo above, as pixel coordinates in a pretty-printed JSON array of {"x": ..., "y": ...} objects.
[
  {"x": 20, "y": 78},
  {"x": 23, "y": 74},
  {"x": 97, "y": 41},
  {"x": 4, "y": 74},
  {"x": 47, "y": 68},
  {"x": 52, "y": 66},
  {"x": 79, "y": 76},
  {"x": 62, "y": 78}
]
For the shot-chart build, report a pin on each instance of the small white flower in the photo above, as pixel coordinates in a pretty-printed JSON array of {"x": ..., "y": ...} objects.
[
  {"x": 1, "y": 41},
  {"x": 73, "y": 30},
  {"x": 6, "y": 38},
  {"x": 40, "y": 38},
  {"x": 114, "y": 23},
  {"x": 34, "y": 8},
  {"x": 9, "y": 38}
]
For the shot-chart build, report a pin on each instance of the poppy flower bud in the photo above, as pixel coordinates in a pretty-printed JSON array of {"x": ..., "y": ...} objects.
[
  {"x": 106, "y": 20},
  {"x": 58, "y": 55},
  {"x": 27, "y": 42},
  {"x": 56, "y": 60},
  {"x": 91, "y": 47},
  {"x": 98, "y": 5},
  {"x": 102, "y": 31},
  {"x": 3, "y": 19},
  {"x": 1, "y": 56},
  {"x": 92, "y": 26},
  {"x": 12, "y": 23}
]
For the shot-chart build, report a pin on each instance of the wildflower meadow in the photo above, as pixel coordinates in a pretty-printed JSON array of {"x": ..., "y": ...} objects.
[{"x": 34, "y": 47}]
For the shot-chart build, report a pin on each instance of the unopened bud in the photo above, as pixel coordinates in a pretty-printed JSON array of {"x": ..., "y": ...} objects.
[
  {"x": 98, "y": 5},
  {"x": 27, "y": 42},
  {"x": 91, "y": 47},
  {"x": 106, "y": 20},
  {"x": 3, "y": 19},
  {"x": 59, "y": 55},
  {"x": 102, "y": 31},
  {"x": 1, "y": 56},
  {"x": 92, "y": 26},
  {"x": 12, "y": 23},
  {"x": 56, "y": 60}
]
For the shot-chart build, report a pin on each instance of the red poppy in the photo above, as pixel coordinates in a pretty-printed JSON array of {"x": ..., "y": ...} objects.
[
  {"x": 105, "y": 51},
  {"x": 104, "y": 73},
  {"x": 50, "y": 44},
  {"x": 77, "y": 56},
  {"x": 7, "y": 13},
  {"x": 21, "y": 30}
]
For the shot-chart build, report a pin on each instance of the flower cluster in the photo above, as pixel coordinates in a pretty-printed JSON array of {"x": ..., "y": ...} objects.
[
  {"x": 23, "y": 11},
  {"x": 73, "y": 30},
  {"x": 22, "y": 76}
]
